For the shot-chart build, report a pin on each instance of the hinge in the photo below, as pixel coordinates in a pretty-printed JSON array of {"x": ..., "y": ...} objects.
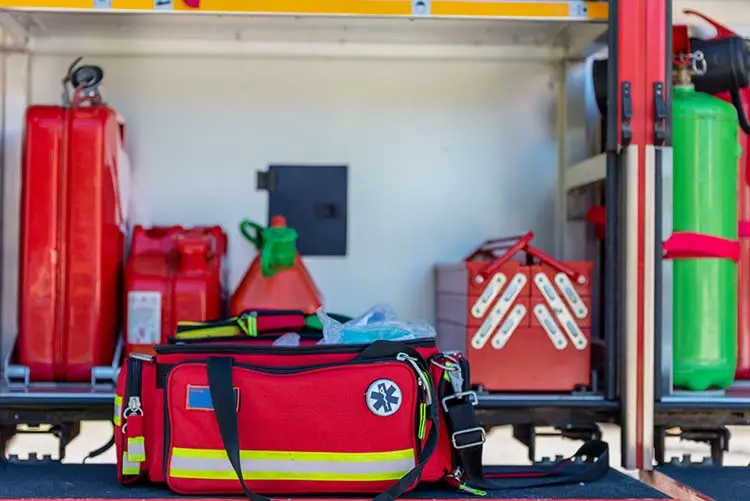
[
  {"x": 660, "y": 115},
  {"x": 265, "y": 181},
  {"x": 627, "y": 115}
]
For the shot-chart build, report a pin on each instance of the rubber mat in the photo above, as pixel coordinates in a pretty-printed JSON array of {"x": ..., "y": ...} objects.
[
  {"x": 727, "y": 483},
  {"x": 76, "y": 481}
]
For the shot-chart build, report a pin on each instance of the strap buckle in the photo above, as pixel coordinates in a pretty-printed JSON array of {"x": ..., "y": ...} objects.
[
  {"x": 477, "y": 443},
  {"x": 471, "y": 395}
]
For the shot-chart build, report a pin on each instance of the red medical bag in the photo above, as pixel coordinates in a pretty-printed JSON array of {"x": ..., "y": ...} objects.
[
  {"x": 320, "y": 419},
  {"x": 524, "y": 324},
  {"x": 173, "y": 274},
  {"x": 73, "y": 225}
]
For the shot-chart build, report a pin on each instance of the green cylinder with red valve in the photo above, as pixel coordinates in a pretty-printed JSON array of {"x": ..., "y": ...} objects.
[{"x": 705, "y": 140}]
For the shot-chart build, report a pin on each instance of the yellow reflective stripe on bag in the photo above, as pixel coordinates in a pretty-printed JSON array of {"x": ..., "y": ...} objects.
[
  {"x": 207, "y": 332},
  {"x": 136, "y": 449},
  {"x": 118, "y": 410},
  {"x": 242, "y": 324},
  {"x": 128, "y": 467},
  {"x": 209, "y": 464}
]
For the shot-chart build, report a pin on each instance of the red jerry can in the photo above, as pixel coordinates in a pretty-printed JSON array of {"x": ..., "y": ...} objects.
[
  {"x": 524, "y": 324},
  {"x": 173, "y": 274},
  {"x": 277, "y": 278},
  {"x": 72, "y": 240}
]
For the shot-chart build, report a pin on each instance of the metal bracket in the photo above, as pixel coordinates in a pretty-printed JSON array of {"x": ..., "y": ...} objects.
[
  {"x": 660, "y": 115},
  {"x": 33, "y": 458},
  {"x": 106, "y": 376},
  {"x": 686, "y": 460},
  {"x": 581, "y": 432},
  {"x": 265, "y": 181},
  {"x": 18, "y": 377},
  {"x": 627, "y": 114},
  {"x": 526, "y": 434},
  {"x": 716, "y": 438},
  {"x": 17, "y": 31},
  {"x": 64, "y": 432}
]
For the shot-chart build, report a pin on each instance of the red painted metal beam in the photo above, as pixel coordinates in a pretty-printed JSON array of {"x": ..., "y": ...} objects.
[{"x": 641, "y": 61}]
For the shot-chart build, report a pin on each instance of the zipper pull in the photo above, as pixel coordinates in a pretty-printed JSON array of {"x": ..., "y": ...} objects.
[
  {"x": 423, "y": 379},
  {"x": 422, "y": 421},
  {"x": 248, "y": 323},
  {"x": 133, "y": 429},
  {"x": 134, "y": 406},
  {"x": 456, "y": 379}
]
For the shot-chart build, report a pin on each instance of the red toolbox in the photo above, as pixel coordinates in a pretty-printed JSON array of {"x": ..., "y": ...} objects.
[
  {"x": 72, "y": 236},
  {"x": 524, "y": 324},
  {"x": 173, "y": 274}
]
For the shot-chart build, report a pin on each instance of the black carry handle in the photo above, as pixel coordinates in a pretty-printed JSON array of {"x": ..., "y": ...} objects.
[
  {"x": 220, "y": 385},
  {"x": 465, "y": 428},
  {"x": 594, "y": 452}
]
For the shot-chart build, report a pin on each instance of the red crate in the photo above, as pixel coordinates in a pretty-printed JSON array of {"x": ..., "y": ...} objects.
[{"x": 522, "y": 318}]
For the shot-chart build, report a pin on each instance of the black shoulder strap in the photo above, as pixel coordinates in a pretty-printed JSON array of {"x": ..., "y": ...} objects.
[
  {"x": 222, "y": 395},
  {"x": 468, "y": 437}
]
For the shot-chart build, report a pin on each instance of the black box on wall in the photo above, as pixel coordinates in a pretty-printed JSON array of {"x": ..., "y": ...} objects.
[{"x": 313, "y": 199}]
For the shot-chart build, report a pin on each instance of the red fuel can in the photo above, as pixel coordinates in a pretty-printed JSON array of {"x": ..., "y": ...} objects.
[
  {"x": 524, "y": 324},
  {"x": 72, "y": 240},
  {"x": 173, "y": 274}
]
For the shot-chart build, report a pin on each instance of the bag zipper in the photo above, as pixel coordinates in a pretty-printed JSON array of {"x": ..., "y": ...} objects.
[
  {"x": 244, "y": 322},
  {"x": 134, "y": 408},
  {"x": 266, "y": 336},
  {"x": 134, "y": 382},
  {"x": 234, "y": 349},
  {"x": 424, "y": 396}
]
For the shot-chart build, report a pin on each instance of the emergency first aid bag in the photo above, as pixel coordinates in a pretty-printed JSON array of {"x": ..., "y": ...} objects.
[{"x": 210, "y": 418}]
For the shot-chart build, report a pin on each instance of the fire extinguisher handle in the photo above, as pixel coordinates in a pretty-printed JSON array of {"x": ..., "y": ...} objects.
[
  {"x": 252, "y": 232},
  {"x": 721, "y": 30},
  {"x": 740, "y": 107}
]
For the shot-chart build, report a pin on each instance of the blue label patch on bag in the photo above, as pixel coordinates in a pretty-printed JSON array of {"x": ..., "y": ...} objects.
[{"x": 199, "y": 398}]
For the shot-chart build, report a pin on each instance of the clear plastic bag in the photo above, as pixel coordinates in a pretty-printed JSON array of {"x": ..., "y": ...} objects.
[
  {"x": 289, "y": 339},
  {"x": 378, "y": 323}
]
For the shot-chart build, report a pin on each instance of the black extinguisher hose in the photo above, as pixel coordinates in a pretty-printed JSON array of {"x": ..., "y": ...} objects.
[{"x": 741, "y": 116}]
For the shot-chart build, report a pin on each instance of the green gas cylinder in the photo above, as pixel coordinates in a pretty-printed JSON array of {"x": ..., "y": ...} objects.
[{"x": 705, "y": 166}]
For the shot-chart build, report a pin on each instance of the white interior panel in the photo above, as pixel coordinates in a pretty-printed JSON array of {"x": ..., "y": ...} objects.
[{"x": 442, "y": 154}]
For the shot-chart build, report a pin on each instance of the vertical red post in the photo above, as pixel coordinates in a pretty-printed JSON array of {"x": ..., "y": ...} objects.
[{"x": 641, "y": 63}]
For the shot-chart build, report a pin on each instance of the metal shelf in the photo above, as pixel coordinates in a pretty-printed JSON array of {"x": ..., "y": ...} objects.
[
  {"x": 576, "y": 10},
  {"x": 589, "y": 171},
  {"x": 506, "y": 401},
  {"x": 735, "y": 398},
  {"x": 354, "y": 28},
  {"x": 55, "y": 396}
]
